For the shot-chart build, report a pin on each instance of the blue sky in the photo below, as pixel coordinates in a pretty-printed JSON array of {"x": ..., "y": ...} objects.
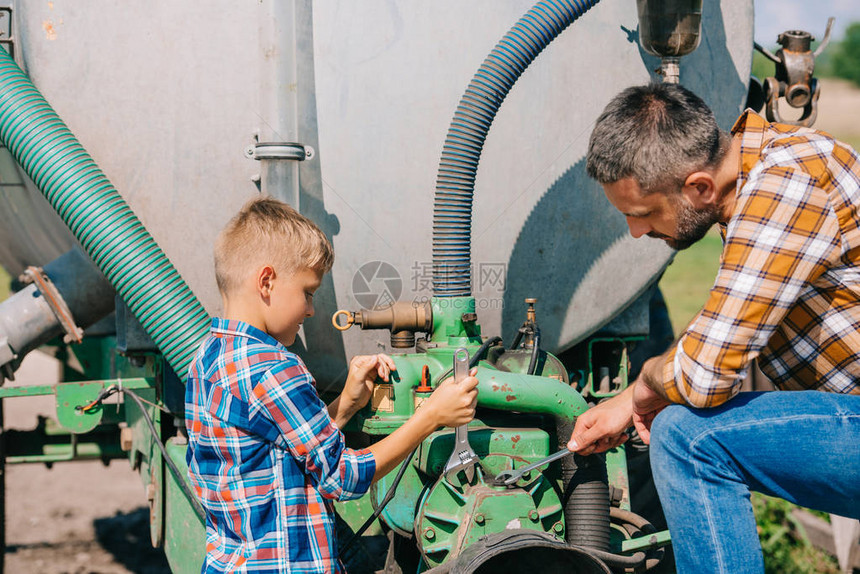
[{"x": 775, "y": 16}]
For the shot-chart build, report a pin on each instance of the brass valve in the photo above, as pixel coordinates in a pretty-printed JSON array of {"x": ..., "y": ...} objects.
[
  {"x": 402, "y": 318},
  {"x": 530, "y": 323}
]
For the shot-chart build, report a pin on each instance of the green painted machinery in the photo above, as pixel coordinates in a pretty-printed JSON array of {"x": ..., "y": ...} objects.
[{"x": 522, "y": 418}]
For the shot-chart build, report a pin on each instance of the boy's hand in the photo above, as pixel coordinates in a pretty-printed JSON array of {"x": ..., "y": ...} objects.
[
  {"x": 363, "y": 370},
  {"x": 453, "y": 404}
]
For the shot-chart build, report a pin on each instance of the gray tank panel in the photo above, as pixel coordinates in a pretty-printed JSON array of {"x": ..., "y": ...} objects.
[{"x": 166, "y": 97}]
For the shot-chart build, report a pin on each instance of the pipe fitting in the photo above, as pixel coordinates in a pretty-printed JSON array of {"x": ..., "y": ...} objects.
[
  {"x": 402, "y": 318},
  {"x": 68, "y": 295}
]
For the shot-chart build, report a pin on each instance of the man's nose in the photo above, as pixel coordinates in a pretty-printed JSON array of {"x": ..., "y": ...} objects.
[{"x": 637, "y": 227}]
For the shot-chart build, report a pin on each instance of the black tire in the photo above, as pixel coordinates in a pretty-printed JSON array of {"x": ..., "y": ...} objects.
[{"x": 2, "y": 490}]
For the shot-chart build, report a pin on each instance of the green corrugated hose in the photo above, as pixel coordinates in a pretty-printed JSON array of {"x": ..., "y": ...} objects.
[{"x": 99, "y": 217}]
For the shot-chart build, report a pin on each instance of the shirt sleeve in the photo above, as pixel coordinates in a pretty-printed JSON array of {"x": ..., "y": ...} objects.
[
  {"x": 783, "y": 236},
  {"x": 290, "y": 413}
]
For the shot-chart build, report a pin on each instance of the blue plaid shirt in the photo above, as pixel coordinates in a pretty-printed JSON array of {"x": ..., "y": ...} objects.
[{"x": 264, "y": 456}]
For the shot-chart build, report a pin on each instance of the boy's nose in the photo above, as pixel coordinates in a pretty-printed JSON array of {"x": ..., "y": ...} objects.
[{"x": 309, "y": 311}]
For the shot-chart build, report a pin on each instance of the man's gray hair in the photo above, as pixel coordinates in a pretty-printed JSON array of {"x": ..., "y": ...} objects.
[{"x": 656, "y": 134}]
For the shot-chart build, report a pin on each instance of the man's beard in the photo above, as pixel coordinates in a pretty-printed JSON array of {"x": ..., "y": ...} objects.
[{"x": 693, "y": 224}]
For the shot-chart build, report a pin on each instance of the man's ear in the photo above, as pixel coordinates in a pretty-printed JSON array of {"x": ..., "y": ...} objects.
[
  {"x": 700, "y": 189},
  {"x": 265, "y": 281}
]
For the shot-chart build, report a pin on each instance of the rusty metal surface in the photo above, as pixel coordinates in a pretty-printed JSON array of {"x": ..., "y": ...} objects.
[{"x": 793, "y": 76}]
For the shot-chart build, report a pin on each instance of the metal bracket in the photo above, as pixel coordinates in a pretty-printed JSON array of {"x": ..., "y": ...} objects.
[
  {"x": 793, "y": 78},
  {"x": 55, "y": 302},
  {"x": 7, "y": 358},
  {"x": 773, "y": 89},
  {"x": 6, "y": 37},
  {"x": 280, "y": 150}
]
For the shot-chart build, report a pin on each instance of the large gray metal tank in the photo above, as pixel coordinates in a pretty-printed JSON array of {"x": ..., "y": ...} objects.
[{"x": 167, "y": 96}]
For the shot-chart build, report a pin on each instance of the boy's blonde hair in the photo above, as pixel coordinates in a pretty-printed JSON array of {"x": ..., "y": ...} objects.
[{"x": 268, "y": 231}]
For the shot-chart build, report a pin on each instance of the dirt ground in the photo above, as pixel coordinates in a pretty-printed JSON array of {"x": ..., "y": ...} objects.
[{"x": 83, "y": 517}]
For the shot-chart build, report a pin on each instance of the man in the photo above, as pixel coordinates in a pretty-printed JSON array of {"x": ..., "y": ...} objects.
[{"x": 787, "y": 293}]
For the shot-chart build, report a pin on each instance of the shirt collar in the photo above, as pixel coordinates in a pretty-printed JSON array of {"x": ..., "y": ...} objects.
[
  {"x": 236, "y": 328},
  {"x": 752, "y": 128}
]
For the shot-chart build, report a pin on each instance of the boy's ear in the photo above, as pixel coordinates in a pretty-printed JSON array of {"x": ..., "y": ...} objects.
[{"x": 265, "y": 280}]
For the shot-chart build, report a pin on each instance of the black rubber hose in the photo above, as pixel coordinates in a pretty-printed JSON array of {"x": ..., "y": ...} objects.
[
  {"x": 379, "y": 508},
  {"x": 642, "y": 527},
  {"x": 485, "y": 346},
  {"x": 587, "y": 508},
  {"x": 535, "y": 351},
  {"x": 632, "y": 518},
  {"x": 586, "y": 502},
  {"x": 618, "y": 560},
  {"x": 517, "y": 339}
]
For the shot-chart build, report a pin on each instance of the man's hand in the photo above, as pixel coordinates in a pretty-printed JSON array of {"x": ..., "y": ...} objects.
[
  {"x": 603, "y": 427},
  {"x": 363, "y": 370},
  {"x": 649, "y": 398},
  {"x": 646, "y": 404}
]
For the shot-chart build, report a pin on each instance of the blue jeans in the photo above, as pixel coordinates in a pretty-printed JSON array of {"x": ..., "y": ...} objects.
[{"x": 803, "y": 446}]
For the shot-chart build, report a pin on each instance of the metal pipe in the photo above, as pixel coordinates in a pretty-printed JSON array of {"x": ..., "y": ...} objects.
[
  {"x": 32, "y": 316},
  {"x": 277, "y": 150},
  {"x": 521, "y": 393}
]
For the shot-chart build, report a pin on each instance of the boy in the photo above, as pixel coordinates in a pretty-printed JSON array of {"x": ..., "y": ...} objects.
[{"x": 265, "y": 455}]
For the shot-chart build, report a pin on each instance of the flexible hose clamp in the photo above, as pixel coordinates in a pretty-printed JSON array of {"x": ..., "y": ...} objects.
[
  {"x": 55, "y": 301},
  {"x": 280, "y": 150}
]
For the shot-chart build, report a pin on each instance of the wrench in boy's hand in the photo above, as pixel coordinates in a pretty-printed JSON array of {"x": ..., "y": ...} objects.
[{"x": 463, "y": 458}]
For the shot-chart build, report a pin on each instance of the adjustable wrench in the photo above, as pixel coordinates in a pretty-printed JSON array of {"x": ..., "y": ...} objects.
[
  {"x": 463, "y": 458},
  {"x": 509, "y": 477}
]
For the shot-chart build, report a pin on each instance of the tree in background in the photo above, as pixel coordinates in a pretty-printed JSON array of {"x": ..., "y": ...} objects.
[{"x": 845, "y": 59}]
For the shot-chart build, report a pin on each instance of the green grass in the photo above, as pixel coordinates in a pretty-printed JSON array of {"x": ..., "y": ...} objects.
[
  {"x": 851, "y": 139},
  {"x": 689, "y": 278},
  {"x": 685, "y": 286},
  {"x": 786, "y": 546},
  {"x": 4, "y": 284}
]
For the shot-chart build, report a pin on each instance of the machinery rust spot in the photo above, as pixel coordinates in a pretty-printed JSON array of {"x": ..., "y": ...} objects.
[
  {"x": 510, "y": 398},
  {"x": 50, "y": 33},
  {"x": 516, "y": 438}
]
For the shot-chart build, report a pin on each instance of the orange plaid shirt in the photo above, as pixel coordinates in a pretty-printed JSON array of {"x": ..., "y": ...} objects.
[{"x": 788, "y": 287}]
